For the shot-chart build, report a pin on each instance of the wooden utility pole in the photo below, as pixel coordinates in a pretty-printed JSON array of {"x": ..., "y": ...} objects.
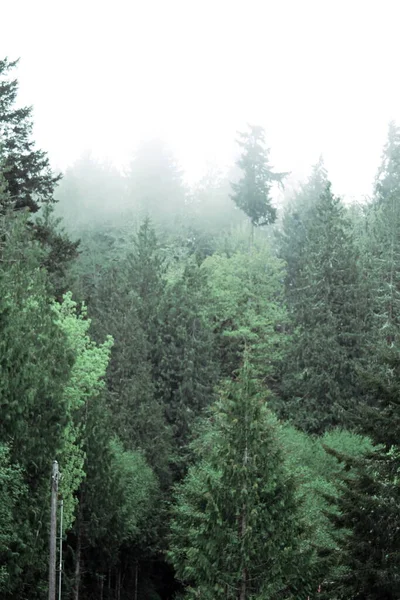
[{"x": 53, "y": 532}]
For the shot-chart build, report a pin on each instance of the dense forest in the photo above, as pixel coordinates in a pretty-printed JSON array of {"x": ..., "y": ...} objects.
[{"x": 216, "y": 372}]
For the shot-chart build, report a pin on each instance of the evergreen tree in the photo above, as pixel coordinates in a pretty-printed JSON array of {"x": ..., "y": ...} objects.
[
  {"x": 252, "y": 192},
  {"x": 126, "y": 304},
  {"x": 13, "y": 493},
  {"x": 369, "y": 550},
  {"x": 320, "y": 378},
  {"x": 293, "y": 239},
  {"x": 367, "y": 507},
  {"x": 184, "y": 370},
  {"x": 235, "y": 530},
  {"x": 137, "y": 415},
  {"x": 34, "y": 370},
  {"x": 30, "y": 181},
  {"x": 29, "y": 178},
  {"x": 381, "y": 416},
  {"x": 116, "y": 504},
  {"x": 316, "y": 473}
]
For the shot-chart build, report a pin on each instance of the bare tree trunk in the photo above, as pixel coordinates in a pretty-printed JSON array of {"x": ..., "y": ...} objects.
[
  {"x": 101, "y": 587},
  {"x": 136, "y": 581},
  {"x": 251, "y": 242},
  {"x": 243, "y": 581},
  {"x": 53, "y": 531},
  {"x": 243, "y": 527},
  {"x": 78, "y": 551},
  {"x": 118, "y": 583}
]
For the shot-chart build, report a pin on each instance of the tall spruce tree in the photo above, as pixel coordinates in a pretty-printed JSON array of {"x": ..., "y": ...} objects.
[
  {"x": 368, "y": 522},
  {"x": 29, "y": 178},
  {"x": 235, "y": 530},
  {"x": 320, "y": 381},
  {"x": 185, "y": 370},
  {"x": 293, "y": 238},
  {"x": 381, "y": 413},
  {"x": 371, "y": 552}
]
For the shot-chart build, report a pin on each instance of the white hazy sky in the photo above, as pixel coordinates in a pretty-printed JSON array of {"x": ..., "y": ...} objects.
[{"x": 322, "y": 76}]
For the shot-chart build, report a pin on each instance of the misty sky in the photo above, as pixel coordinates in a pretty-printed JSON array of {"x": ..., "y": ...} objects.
[{"x": 322, "y": 76}]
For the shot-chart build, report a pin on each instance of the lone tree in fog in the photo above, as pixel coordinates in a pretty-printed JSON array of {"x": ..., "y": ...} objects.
[{"x": 252, "y": 192}]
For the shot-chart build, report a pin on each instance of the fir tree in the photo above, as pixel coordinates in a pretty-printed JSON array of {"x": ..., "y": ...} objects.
[
  {"x": 184, "y": 370},
  {"x": 252, "y": 192},
  {"x": 381, "y": 416},
  {"x": 293, "y": 239},
  {"x": 30, "y": 181},
  {"x": 235, "y": 531},
  {"x": 367, "y": 516},
  {"x": 320, "y": 380}
]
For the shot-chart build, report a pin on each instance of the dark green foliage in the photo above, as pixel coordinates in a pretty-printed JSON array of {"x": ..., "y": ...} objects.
[
  {"x": 138, "y": 417},
  {"x": 184, "y": 360},
  {"x": 320, "y": 381},
  {"x": 381, "y": 416},
  {"x": 12, "y": 492},
  {"x": 117, "y": 503},
  {"x": 252, "y": 192},
  {"x": 235, "y": 527},
  {"x": 34, "y": 368},
  {"x": 126, "y": 305},
  {"x": 29, "y": 180},
  {"x": 369, "y": 555},
  {"x": 293, "y": 239},
  {"x": 261, "y": 510},
  {"x": 369, "y": 503}
]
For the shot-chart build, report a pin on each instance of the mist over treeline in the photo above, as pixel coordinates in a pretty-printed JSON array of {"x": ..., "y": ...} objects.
[
  {"x": 152, "y": 186},
  {"x": 214, "y": 366}
]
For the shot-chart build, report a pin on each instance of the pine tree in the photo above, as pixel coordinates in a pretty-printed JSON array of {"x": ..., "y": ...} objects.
[
  {"x": 27, "y": 171},
  {"x": 381, "y": 416},
  {"x": 235, "y": 530},
  {"x": 184, "y": 369},
  {"x": 252, "y": 192},
  {"x": 30, "y": 181},
  {"x": 137, "y": 415},
  {"x": 368, "y": 518},
  {"x": 13, "y": 493},
  {"x": 293, "y": 238},
  {"x": 368, "y": 504},
  {"x": 34, "y": 370},
  {"x": 320, "y": 378}
]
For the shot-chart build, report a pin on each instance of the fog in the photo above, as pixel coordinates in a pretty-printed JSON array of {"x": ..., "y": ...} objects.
[{"x": 320, "y": 76}]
